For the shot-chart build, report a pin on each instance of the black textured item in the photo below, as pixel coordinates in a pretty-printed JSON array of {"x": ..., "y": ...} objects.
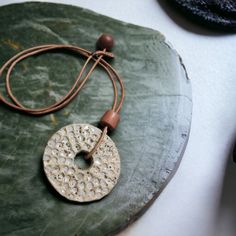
[
  {"x": 234, "y": 153},
  {"x": 219, "y": 14}
]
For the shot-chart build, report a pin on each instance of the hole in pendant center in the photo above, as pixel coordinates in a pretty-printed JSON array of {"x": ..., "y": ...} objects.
[{"x": 81, "y": 162}]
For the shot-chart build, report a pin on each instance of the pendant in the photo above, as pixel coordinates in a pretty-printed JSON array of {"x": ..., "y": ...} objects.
[{"x": 68, "y": 178}]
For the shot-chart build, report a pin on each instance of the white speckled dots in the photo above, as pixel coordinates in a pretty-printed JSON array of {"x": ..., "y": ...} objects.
[{"x": 72, "y": 182}]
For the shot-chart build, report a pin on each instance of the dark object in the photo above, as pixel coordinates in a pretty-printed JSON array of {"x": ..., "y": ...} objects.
[
  {"x": 105, "y": 41},
  {"x": 234, "y": 153},
  {"x": 220, "y": 14}
]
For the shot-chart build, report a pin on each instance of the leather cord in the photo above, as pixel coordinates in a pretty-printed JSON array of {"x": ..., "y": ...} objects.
[{"x": 80, "y": 81}]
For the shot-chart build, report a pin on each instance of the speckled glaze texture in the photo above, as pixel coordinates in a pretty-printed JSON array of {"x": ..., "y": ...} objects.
[
  {"x": 68, "y": 178},
  {"x": 151, "y": 137},
  {"x": 217, "y": 14}
]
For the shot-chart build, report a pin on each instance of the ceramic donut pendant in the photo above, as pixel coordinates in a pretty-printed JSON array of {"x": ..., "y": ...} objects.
[{"x": 68, "y": 179}]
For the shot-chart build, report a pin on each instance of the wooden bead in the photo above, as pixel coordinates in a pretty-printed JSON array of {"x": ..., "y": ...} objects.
[
  {"x": 110, "y": 119},
  {"x": 105, "y": 41}
]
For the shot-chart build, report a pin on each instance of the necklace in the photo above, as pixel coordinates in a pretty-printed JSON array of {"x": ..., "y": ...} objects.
[{"x": 96, "y": 147}]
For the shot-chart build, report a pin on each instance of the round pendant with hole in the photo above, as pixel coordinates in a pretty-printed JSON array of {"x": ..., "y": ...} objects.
[{"x": 70, "y": 174}]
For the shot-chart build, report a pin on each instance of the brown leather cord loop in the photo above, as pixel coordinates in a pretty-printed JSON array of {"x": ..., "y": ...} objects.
[
  {"x": 80, "y": 81},
  {"x": 90, "y": 154},
  {"x": 69, "y": 96}
]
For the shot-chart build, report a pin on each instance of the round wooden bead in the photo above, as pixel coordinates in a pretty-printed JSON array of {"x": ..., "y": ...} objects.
[
  {"x": 105, "y": 41},
  {"x": 110, "y": 119}
]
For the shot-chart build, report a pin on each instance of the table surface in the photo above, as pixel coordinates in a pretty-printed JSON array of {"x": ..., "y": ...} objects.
[{"x": 199, "y": 201}]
